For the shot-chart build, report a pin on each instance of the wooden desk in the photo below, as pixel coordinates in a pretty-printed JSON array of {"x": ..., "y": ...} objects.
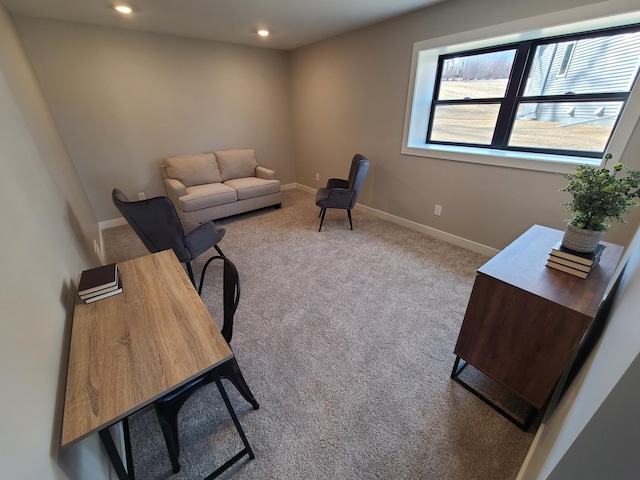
[
  {"x": 130, "y": 349},
  {"x": 524, "y": 320}
]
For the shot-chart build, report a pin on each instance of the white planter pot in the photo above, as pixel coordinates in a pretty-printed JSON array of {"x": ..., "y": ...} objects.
[{"x": 581, "y": 240}]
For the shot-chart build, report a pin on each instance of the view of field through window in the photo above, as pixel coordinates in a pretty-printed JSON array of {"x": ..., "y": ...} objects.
[
  {"x": 569, "y": 95},
  {"x": 475, "y": 123}
]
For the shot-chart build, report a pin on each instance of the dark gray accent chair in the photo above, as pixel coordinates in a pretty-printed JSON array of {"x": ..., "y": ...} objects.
[
  {"x": 343, "y": 194},
  {"x": 157, "y": 224}
]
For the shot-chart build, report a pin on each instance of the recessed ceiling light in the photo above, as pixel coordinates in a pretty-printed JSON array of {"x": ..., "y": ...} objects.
[
  {"x": 123, "y": 8},
  {"x": 263, "y": 32}
]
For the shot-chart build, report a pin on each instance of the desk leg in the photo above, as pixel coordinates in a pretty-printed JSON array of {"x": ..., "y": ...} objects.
[
  {"x": 523, "y": 425},
  {"x": 247, "y": 448},
  {"x": 114, "y": 456}
]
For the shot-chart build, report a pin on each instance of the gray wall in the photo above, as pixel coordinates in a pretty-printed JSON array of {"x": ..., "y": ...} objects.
[
  {"x": 182, "y": 96},
  {"x": 48, "y": 229},
  {"x": 349, "y": 95},
  {"x": 124, "y": 100}
]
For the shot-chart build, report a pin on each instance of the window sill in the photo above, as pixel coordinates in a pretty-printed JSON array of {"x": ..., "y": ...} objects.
[{"x": 501, "y": 158}]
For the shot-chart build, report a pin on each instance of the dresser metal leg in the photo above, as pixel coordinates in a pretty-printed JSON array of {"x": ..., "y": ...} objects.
[{"x": 523, "y": 425}]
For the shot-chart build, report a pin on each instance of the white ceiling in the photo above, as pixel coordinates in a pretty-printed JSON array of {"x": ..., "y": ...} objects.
[{"x": 294, "y": 23}]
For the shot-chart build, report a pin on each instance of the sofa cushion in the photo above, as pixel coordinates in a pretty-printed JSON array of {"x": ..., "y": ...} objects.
[
  {"x": 249, "y": 187},
  {"x": 236, "y": 163},
  {"x": 203, "y": 196},
  {"x": 193, "y": 169}
]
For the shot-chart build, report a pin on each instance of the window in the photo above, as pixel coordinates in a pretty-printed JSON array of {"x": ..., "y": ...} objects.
[
  {"x": 543, "y": 98},
  {"x": 513, "y": 97}
]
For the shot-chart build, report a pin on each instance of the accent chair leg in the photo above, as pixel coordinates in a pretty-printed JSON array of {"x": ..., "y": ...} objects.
[
  {"x": 349, "y": 215},
  {"x": 190, "y": 272},
  {"x": 322, "y": 212}
]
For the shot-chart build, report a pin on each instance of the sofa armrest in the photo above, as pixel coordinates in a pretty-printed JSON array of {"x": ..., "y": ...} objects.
[
  {"x": 175, "y": 188},
  {"x": 265, "y": 173}
]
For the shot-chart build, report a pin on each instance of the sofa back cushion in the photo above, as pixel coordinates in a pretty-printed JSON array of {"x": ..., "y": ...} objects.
[
  {"x": 194, "y": 169},
  {"x": 236, "y": 163}
]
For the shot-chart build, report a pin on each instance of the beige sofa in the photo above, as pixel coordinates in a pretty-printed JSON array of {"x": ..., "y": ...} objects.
[{"x": 214, "y": 185}]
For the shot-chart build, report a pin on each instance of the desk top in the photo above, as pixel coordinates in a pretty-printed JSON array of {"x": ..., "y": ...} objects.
[
  {"x": 130, "y": 349},
  {"x": 522, "y": 264}
]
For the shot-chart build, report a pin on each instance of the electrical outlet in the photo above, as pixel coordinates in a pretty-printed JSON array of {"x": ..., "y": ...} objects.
[
  {"x": 141, "y": 196},
  {"x": 438, "y": 210},
  {"x": 317, "y": 177}
]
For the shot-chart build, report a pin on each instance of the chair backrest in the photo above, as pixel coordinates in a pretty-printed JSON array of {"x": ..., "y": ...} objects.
[
  {"x": 357, "y": 172},
  {"x": 156, "y": 223},
  {"x": 230, "y": 292}
]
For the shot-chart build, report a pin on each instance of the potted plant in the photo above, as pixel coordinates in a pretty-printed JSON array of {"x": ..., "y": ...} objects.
[{"x": 599, "y": 196}]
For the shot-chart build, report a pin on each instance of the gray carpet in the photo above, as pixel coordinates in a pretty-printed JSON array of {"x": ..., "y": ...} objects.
[{"x": 346, "y": 339}]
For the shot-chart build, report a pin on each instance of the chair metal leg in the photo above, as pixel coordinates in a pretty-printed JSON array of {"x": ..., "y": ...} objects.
[
  {"x": 204, "y": 270},
  {"x": 231, "y": 371},
  {"x": 322, "y": 212},
  {"x": 349, "y": 215},
  {"x": 167, "y": 409},
  {"x": 169, "y": 427}
]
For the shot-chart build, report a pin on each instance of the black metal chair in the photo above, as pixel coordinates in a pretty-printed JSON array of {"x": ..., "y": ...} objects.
[
  {"x": 168, "y": 407},
  {"x": 342, "y": 194},
  {"x": 157, "y": 224}
]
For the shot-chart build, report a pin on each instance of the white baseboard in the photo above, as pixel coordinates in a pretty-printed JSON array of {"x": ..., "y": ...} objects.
[
  {"x": 115, "y": 222},
  {"x": 306, "y": 189},
  {"x": 101, "y": 253},
  {"x": 433, "y": 232},
  {"x": 118, "y": 222},
  {"x": 439, "y": 234}
]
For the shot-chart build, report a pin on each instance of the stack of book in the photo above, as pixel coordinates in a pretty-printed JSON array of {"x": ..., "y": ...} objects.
[
  {"x": 575, "y": 263},
  {"x": 98, "y": 283}
]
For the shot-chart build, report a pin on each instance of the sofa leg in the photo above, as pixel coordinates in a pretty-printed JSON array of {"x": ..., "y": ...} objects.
[{"x": 277, "y": 205}]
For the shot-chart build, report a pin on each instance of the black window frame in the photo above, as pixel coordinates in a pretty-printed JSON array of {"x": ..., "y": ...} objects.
[{"x": 514, "y": 94}]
